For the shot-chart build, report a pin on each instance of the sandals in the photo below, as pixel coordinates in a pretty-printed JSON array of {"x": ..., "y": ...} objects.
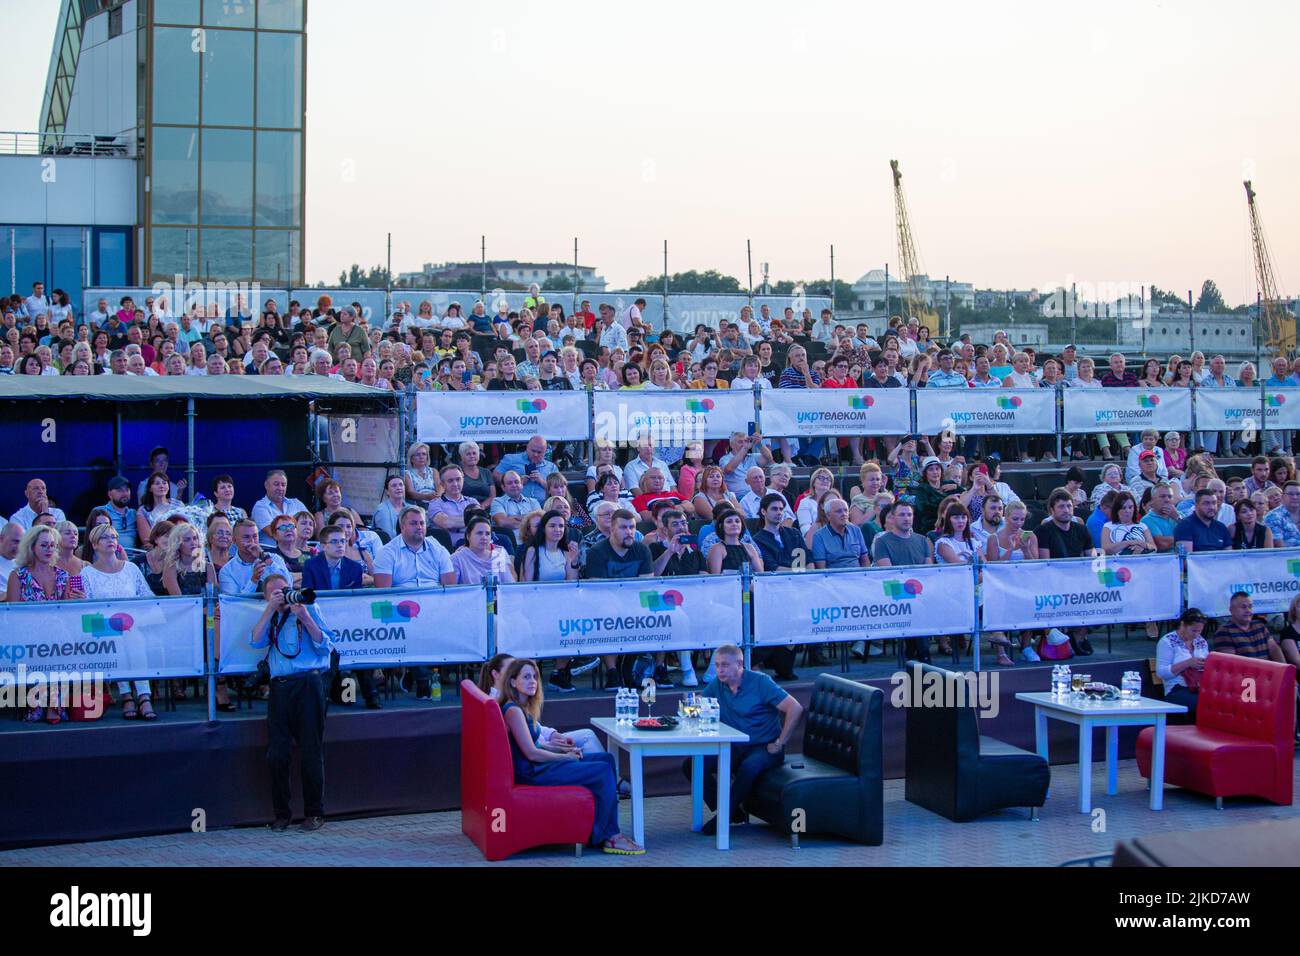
[
  {"x": 226, "y": 705},
  {"x": 129, "y": 711},
  {"x": 622, "y": 846},
  {"x": 146, "y": 710},
  {"x": 56, "y": 715}
]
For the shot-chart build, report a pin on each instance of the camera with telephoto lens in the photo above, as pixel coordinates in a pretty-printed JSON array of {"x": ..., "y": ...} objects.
[{"x": 299, "y": 596}]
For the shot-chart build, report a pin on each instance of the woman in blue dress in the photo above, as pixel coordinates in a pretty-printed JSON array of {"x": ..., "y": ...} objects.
[{"x": 556, "y": 766}]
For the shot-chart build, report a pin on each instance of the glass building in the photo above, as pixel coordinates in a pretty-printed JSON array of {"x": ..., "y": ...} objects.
[
  {"x": 224, "y": 106},
  {"x": 202, "y": 104}
]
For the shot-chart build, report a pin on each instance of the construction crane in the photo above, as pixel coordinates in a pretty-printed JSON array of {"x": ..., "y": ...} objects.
[
  {"x": 913, "y": 276},
  {"x": 1277, "y": 324}
]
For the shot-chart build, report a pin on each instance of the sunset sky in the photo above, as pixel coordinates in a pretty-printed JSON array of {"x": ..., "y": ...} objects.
[{"x": 1040, "y": 143}]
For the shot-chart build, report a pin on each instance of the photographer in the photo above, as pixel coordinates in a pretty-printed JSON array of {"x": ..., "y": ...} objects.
[{"x": 298, "y": 656}]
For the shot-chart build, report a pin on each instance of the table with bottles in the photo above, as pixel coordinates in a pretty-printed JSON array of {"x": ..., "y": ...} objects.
[
  {"x": 1067, "y": 701},
  {"x": 699, "y": 734}
]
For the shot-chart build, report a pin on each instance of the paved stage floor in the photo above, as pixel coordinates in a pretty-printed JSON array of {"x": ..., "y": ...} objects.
[{"x": 913, "y": 836}]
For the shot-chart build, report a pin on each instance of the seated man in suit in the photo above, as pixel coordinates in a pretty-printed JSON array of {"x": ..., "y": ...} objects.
[
  {"x": 752, "y": 703},
  {"x": 332, "y": 570}
]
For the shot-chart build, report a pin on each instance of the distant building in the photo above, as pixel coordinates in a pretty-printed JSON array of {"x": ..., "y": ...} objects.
[
  {"x": 1003, "y": 298},
  {"x": 1030, "y": 333},
  {"x": 869, "y": 291},
  {"x": 505, "y": 270}
]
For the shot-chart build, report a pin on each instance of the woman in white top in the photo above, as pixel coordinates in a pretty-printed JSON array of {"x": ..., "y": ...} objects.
[
  {"x": 547, "y": 557},
  {"x": 819, "y": 483},
  {"x": 956, "y": 545},
  {"x": 156, "y": 503},
  {"x": 1180, "y": 661},
  {"x": 421, "y": 480},
  {"x": 1022, "y": 376},
  {"x": 112, "y": 576},
  {"x": 1123, "y": 533}
]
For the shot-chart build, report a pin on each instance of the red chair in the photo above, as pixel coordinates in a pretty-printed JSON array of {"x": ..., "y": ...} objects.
[
  {"x": 499, "y": 816},
  {"x": 1242, "y": 744}
]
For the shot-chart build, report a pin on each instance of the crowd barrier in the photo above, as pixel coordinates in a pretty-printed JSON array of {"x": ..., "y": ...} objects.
[
  {"x": 149, "y": 638},
  {"x": 790, "y": 413}
]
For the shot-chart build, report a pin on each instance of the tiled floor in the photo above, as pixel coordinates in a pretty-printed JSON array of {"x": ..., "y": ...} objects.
[{"x": 913, "y": 837}]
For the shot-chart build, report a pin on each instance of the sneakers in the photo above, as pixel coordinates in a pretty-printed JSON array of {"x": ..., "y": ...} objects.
[
  {"x": 561, "y": 682},
  {"x": 661, "y": 676},
  {"x": 689, "y": 679},
  {"x": 279, "y": 825},
  {"x": 1082, "y": 646},
  {"x": 613, "y": 682},
  {"x": 312, "y": 823},
  {"x": 1029, "y": 654},
  {"x": 874, "y": 649}
]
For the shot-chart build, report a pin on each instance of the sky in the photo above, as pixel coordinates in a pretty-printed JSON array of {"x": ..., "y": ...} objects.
[{"x": 1041, "y": 144}]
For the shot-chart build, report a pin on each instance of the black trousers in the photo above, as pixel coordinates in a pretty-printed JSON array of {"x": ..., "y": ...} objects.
[{"x": 296, "y": 711}]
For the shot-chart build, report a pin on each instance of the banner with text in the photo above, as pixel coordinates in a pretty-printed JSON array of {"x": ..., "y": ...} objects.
[
  {"x": 670, "y": 418},
  {"x": 1127, "y": 409},
  {"x": 805, "y": 412},
  {"x": 863, "y": 604},
  {"x": 128, "y": 638},
  {"x": 1022, "y": 595},
  {"x": 1271, "y": 577},
  {"x": 614, "y": 617},
  {"x": 986, "y": 411},
  {"x": 501, "y": 416},
  {"x": 1239, "y": 409},
  {"x": 373, "y": 628}
]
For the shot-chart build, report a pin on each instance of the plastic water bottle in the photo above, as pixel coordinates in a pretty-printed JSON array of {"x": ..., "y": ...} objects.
[
  {"x": 1131, "y": 686},
  {"x": 435, "y": 689},
  {"x": 1061, "y": 681}
]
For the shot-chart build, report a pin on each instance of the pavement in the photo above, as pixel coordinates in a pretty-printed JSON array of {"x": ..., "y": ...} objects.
[{"x": 913, "y": 837}]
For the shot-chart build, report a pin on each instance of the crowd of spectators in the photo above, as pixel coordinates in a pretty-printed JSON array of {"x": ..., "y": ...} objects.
[{"x": 457, "y": 514}]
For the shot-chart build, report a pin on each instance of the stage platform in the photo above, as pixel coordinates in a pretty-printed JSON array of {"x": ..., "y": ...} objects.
[{"x": 110, "y": 779}]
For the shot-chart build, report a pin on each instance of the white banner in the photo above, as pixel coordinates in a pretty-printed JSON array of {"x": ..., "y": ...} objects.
[
  {"x": 1023, "y": 595},
  {"x": 800, "y": 412},
  {"x": 127, "y": 638},
  {"x": 1127, "y": 409},
  {"x": 501, "y": 416},
  {"x": 374, "y": 628},
  {"x": 986, "y": 411},
  {"x": 611, "y": 617},
  {"x": 863, "y": 604},
  {"x": 671, "y": 418},
  {"x": 1238, "y": 409},
  {"x": 1271, "y": 577}
]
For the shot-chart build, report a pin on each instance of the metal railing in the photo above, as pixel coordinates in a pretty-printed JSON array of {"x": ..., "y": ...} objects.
[{"x": 13, "y": 143}]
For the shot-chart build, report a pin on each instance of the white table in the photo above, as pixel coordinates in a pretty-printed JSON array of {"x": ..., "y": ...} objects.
[
  {"x": 677, "y": 743},
  {"x": 1111, "y": 714}
]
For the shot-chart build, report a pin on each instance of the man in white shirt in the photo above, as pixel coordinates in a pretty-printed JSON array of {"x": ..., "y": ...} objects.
[
  {"x": 612, "y": 335},
  {"x": 10, "y": 537},
  {"x": 274, "y": 505},
  {"x": 99, "y": 316},
  {"x": 645, "y": 460},
  {"x": 824, "y": 330},
  {"x": 36, "y": 303},
  {"x": 412, "y": 559},
  {"x": 630, "y": 318},
  {"x": 135, "y": 366},
  {"x": 38, "y": 503}
]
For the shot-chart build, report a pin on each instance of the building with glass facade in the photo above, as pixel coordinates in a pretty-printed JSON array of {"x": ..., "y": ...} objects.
[{"x": 170, "y": 143}]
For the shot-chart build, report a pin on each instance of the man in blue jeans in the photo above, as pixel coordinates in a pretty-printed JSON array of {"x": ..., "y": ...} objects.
[{"x": 753, "y": 704}]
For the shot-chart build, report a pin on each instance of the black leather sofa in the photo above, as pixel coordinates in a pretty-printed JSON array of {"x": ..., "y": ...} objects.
[
  {"x": 957, "y": 773},
  {"x": 836, "y": 785}
]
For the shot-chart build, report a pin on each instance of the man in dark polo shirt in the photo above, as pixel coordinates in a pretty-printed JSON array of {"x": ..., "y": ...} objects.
[
  {"x": 1060, "y": 536},
  {"x": 753, "y": 704},
  {"x": 1201, "y": 530},
  {"x": 1244, "y": 634}
]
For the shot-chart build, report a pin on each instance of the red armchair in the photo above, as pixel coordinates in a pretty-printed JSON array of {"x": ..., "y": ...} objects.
[
  {"x": 500, "y": 817},
  {"x": 1237, "y": 747}
]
